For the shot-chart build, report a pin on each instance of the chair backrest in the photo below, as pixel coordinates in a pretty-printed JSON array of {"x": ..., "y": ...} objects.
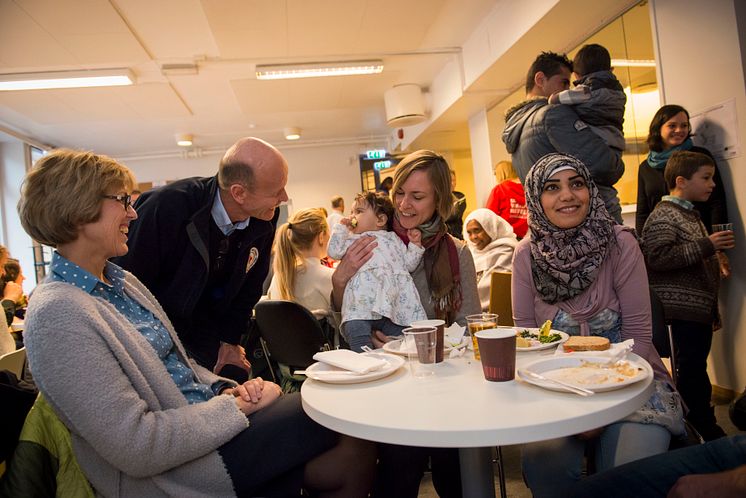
[
  {"x": 661, "y": 339},
  {"x": 14, "y": 362},
  {"x": 292, "y": 334},
  {"x": 500, "y": 297}
]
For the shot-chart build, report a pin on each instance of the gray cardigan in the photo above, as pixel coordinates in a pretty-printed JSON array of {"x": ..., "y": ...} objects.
[{"x": 132, "y": 430}]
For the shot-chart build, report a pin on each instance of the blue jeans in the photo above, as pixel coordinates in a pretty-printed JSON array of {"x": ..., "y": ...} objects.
[
  {"x": 357, "y": 332},
  {"x": 653, "y": 477},
  {"x": 552, "y": 467}
]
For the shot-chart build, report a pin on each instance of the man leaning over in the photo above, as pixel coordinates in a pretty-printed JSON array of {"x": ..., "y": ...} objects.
[{"x": 202, "y": 246}]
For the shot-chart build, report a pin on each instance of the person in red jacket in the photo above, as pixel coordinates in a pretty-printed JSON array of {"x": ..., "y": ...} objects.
[{"x": 507, "y": 199}]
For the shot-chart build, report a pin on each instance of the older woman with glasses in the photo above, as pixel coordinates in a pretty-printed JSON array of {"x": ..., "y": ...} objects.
[{"x": 144, "y": 418}]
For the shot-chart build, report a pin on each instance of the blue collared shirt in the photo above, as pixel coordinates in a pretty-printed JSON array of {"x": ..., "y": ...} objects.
[
  {"x": 64, "y": 270},
  {"x": 678, "y": 200},
  {"x": 221, "y": 218}
]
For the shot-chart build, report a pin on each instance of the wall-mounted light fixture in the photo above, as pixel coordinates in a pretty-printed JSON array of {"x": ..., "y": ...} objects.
[
  {"x": 292, "y": 133},
  {"x": 184, "y": 140},
  {"x": 317, "y": 69},
  {"x": 66, "y": 79},
  {"x": 632, "y": 63}
]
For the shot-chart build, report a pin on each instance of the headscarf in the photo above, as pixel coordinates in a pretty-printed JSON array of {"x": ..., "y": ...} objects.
[
  {"x": 441, "y": 263},
  {"x": 565, "y": 261},
  {"x": 501, "y": 246},
  {"x": 658, "y": 160}
]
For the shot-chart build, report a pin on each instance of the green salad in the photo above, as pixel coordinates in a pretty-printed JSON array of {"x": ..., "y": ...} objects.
[{"x": 544, "y": 339}]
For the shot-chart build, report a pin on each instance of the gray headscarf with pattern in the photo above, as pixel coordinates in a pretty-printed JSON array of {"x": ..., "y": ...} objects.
[{"x": 565, "y": 261}]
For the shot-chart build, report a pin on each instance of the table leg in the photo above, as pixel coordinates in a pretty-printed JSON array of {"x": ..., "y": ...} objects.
[{"x": 477, "y": 476}]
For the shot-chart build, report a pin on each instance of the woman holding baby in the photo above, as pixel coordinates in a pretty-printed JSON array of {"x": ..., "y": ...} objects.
[{"x": 446, "y": 283}]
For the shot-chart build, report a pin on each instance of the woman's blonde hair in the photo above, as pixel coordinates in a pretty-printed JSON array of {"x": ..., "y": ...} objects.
[
  {"x": 437, "y": 171},
  {"x": 64, "y": 191},
  {"x": 504, "y": 171},
  {"x": 299, "y": 233}
]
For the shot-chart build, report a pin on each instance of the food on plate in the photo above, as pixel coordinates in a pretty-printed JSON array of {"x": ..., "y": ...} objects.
[
  {"x": 527, "y": 339},
  {"x": 545, "y": 328},
  {"x": 595, "y": 373},
  {"x": 586, "y": 343}
]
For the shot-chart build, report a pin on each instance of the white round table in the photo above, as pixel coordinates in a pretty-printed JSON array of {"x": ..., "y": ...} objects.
[{"x": 458, "y": 408}]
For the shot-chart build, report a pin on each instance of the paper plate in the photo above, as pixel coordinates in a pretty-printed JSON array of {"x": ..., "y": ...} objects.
[
  {"x": 326, "y": 373},
  {"x": 579, "y": 371}
]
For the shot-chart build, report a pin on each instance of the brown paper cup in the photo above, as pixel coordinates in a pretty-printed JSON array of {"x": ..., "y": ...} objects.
[{"x": 497, "y": 351}]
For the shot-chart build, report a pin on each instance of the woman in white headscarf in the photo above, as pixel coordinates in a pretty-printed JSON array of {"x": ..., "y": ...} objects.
[{"x": 491, "y": 241}]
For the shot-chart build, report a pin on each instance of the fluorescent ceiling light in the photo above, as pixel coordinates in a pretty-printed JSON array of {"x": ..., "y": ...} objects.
[
  {"x": 317, "y": 69},
  {"x": 66, "y": 79},
  {"x": 632, "y": 63}
]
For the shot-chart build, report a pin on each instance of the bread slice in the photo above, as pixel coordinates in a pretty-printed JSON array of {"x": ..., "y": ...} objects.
[{"x": 586, "y": 343}]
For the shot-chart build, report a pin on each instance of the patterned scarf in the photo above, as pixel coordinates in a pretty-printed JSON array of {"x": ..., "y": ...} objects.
[
  {"x": 441, "y": 266},
  {"x": 658, "y": 160},
  {"x": 565, "y": 262}
]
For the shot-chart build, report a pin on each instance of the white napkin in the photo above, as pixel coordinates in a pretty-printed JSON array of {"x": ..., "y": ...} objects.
[
  {"x": 350, "y": 360},
  {"x": 615, "y": 347},
  {"x": 454, "y": 334}
]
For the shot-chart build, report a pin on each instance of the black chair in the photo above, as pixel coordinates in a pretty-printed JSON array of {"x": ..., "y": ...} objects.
[
  {"x": 663, "y": 342},
  {"x": 662, "y": 338},
  {"x": 290, "y": 336}
]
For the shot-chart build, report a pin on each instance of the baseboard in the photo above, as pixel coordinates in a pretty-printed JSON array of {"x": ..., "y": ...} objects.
[{"x": 723, "y": 393}]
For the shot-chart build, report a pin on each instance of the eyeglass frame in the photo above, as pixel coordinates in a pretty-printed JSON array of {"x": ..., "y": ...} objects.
[{"x": 125, "y": 199}]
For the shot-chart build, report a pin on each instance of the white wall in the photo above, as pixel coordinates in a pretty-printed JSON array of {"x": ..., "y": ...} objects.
[
  {"x": 12, "y": 235},
  {"x": 701, "y": 64},
  {"x": 315, "y": 173}
]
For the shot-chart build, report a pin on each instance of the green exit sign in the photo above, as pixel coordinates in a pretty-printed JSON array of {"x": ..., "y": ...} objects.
[
  {"x": 379, "y": 165},
  {"x": 376, "y": 154}
]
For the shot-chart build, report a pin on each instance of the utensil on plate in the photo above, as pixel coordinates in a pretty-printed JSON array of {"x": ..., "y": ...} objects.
[{"x": 575, "y": 389}]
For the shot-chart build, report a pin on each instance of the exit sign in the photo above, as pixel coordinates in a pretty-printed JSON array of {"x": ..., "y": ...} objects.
[
  {"x": 376, "y": 154},
  {"x": 379, "y": 165}
]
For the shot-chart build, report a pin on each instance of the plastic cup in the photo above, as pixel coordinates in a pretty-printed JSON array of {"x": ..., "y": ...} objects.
[
  {"x": 420, "y": 344},
  {"x": 480, "y": 321},
  {"x": 440, "y": 326},
  {"x": 497, "y": 348},
  {"x": 722, "y": 227}
]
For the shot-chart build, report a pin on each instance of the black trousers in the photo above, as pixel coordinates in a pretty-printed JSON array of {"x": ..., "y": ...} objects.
[
  {"x": 692, "y": 341},
  {"x": 400, "y": 470}
]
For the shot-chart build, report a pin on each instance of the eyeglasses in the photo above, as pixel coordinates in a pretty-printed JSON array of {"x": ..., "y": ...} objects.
[{"x": 125, "y": 199}]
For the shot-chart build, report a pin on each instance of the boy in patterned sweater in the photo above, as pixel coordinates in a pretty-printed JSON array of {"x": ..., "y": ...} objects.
[{"x": 683, "y": 270}]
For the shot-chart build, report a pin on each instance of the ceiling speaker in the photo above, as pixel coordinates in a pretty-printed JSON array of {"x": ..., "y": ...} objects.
[{"x": 405, "y": 105}]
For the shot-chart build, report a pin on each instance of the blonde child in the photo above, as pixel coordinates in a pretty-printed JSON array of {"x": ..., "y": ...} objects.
[{"x": 299, "y": 247}]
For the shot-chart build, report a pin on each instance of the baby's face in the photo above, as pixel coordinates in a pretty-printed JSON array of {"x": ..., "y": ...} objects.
[{"x": 366, "y": 218}]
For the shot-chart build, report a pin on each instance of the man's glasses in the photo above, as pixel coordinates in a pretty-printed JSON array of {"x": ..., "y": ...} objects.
[{"x": 125, "y": 199}]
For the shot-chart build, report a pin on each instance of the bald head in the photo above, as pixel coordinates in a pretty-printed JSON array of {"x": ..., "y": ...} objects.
[
  {"x": 252, "y": 177},
  {"x": 246, "y": 159}
]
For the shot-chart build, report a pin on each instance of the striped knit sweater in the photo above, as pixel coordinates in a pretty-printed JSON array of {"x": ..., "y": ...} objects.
[{"x": 681, "y": 262}]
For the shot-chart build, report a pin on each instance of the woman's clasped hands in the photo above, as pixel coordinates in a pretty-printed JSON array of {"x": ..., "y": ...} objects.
[{"x": 254, "y": 394}]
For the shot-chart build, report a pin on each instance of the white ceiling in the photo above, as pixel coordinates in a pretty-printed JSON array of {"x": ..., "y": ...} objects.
[{"x": 225, "y": 39}]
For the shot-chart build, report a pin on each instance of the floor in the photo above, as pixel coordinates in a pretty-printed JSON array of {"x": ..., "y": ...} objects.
[{"x": 511, "y": 456}]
